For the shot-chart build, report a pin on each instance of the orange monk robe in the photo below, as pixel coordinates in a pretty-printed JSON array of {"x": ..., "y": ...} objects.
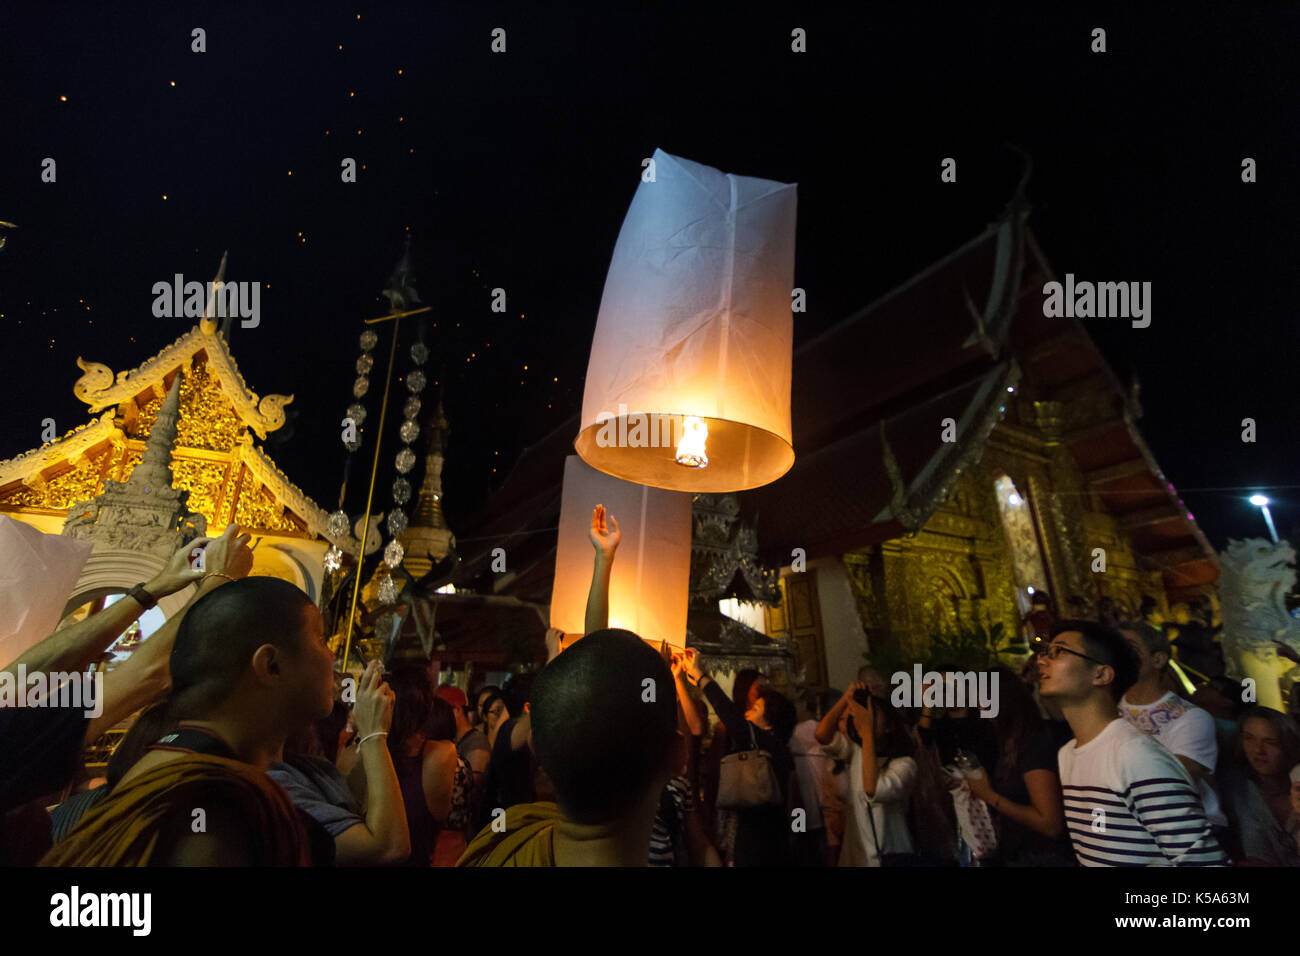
[
  {"x": 129, "y": 827},
  {"x": 527, "y": 839}
]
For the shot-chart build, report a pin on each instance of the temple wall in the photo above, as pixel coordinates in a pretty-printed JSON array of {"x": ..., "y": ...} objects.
[{"x": 959, "y": 570}]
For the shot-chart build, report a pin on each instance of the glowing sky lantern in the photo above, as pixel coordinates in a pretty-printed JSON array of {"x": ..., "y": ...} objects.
[
  {"x": 688, "y": 385},
  {"x": 650, "y": 579}
]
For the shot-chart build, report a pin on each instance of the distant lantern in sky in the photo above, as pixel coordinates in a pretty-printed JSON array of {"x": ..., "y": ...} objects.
[
  {"x": 650, "y": 580},
  {"x": 688, "y": 386}
]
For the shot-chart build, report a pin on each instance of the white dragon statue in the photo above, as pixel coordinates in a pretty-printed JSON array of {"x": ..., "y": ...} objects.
[{"x": 1255, "y": 578}]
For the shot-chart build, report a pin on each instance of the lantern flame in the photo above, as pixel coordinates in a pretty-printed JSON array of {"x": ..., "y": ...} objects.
[{"x": 690, "y": 449}]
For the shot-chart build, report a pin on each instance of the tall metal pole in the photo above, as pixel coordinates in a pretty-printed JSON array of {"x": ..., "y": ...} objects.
[{"x": 370, "y": 494}]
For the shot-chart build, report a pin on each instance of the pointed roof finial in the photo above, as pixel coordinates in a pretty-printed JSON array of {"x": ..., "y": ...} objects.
[
  {"x": 401, "y": 292},
  {"x": 209, "y": 321}
]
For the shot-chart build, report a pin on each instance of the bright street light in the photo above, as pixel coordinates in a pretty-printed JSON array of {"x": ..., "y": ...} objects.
[{"x": 1260, "y": 502}]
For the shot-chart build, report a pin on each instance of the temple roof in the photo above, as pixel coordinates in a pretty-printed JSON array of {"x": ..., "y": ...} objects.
[{"x": 228, "y": 477}]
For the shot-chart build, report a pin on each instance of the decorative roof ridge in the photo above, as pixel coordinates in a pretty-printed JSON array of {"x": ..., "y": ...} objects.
[
  {"x": 98, "y": 388},
  {"x": 69, "y": 446},
  {"x": 268, "y": 473}
]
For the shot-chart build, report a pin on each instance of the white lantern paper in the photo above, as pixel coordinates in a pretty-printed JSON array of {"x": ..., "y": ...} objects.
[
  {"x": 650, "y": 581},
  {"x": 695, "y": 321},
  {"x": 37, "y": 574}
]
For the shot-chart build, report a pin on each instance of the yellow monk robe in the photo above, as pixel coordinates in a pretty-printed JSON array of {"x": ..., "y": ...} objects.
[
  {"x": 129, "y": 826},
  {"x": 528, "y": 838}
]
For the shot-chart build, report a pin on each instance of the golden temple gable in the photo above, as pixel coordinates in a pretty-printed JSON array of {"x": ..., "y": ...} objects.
[{"x": 227, "y": 476}]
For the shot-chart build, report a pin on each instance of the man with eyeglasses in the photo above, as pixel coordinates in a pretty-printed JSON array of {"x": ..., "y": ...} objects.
[{"x": 1128, "y": 801}]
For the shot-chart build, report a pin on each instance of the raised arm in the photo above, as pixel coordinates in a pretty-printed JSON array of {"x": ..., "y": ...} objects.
[
  {"x": 384, "y": 837},
  {"x": 731, "y": 718},
  {"x": 605, "y": 537},
  {"x": 145, "y": 676},
  {"x": 829, "y": 723},
  {"x": 76, "y": 647},
  {"x": 685, "y": 705}
]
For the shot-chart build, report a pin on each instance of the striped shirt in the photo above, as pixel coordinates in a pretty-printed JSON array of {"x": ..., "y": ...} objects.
[
  {"x": 1129, "y": 802},
  {"x": 667, "y": 837}
]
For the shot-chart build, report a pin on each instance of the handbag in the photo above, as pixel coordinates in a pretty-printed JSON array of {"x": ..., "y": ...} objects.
[{"x": 746, "y": 778}]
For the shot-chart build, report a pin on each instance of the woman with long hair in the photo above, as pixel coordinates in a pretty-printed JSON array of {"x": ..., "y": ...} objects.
[
  {"x": 1024, "y": 791},
  {"x": 1257, "y": 789},
  {"x": 882, "y": 772},
  {"x": 426, "y": 768}
]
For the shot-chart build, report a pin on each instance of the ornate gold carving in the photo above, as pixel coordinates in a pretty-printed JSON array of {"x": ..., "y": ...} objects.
[
  {"x": 205, "y": 481},
  {"x": 259, "y": 509},
  {"x": 208, "y": 419},
  {"x": 98, "y": 389},
  {"x": 80, "y": 482},
  {"x": 28, "y": 465}
]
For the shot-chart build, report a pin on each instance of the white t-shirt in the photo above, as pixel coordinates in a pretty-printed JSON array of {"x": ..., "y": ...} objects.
[
  {"x": 1129, "y": 802},
  {"x": 813, "y": 766},
  {"x": 1188, "y": 731},
  {"x": 888, "y": 808}
]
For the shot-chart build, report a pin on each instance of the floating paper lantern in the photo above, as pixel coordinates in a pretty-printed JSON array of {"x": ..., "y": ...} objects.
[
  {"x": 688, "y": 386},
  {"x": 650, "y": 580}
]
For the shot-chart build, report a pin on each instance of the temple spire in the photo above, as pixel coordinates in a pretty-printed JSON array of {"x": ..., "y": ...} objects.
[
  {"x": 428, "y": 539},
  {"x": 155, "y": 468}
]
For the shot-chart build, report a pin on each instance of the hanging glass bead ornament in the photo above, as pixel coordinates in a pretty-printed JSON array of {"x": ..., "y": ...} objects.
[
  {"x": 419, "y": 353},
  {"x": 405, "y": 460},
  {"x": 394, "y": 553},
  {"x": 360, "y": 386},
  {"x": 409, "y": 431},
  {"x": 396, "y": 522},
  {"x": 412, "y": 407},
  {"x": 333, "y": 559},
  {"x": 415, "y": 381},
  {"x": 357, "y": 412},
  {"x": 401, "y": 491},
  {"x": 388, "y": 590},
  {"x": 338, "y": 524},
  {"x": 368, "y": 340}
]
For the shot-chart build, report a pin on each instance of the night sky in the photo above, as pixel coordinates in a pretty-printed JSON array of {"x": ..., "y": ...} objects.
[{"x": 514, "y": 170}]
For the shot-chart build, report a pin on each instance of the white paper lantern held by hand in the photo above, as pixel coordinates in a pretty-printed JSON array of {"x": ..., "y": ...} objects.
[
  {"x": 651, "y": 576},
  {"x": 693, "y": 339}
]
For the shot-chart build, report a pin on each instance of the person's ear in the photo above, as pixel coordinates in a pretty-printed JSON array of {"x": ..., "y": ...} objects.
[
  {"x": 1105, "y": 675},
  {"x": 267, "y": 662},
  {"x": 1160, "y": 659}
]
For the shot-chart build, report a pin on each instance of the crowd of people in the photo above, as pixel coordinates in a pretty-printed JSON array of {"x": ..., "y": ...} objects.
[{"x": 248, "y": 749}]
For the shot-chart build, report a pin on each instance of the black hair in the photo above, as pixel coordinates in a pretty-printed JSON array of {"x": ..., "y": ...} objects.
[
  {"x": 1018, "y": 723},
  {"x": 601, "y": 732},
  {"x": 745, "y": 679},
  {"x": 778, "y": 712},
  {"x": 517, "y": 692},
  {"x": 217, "y": 638},
  {"x": 329, "y": 728},
  {"x": 1111, "y": 648},
  {"x": 413, "y": 704},
  {"x": 442, "y": 720},
  {"x": 896, "y": 741}
]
